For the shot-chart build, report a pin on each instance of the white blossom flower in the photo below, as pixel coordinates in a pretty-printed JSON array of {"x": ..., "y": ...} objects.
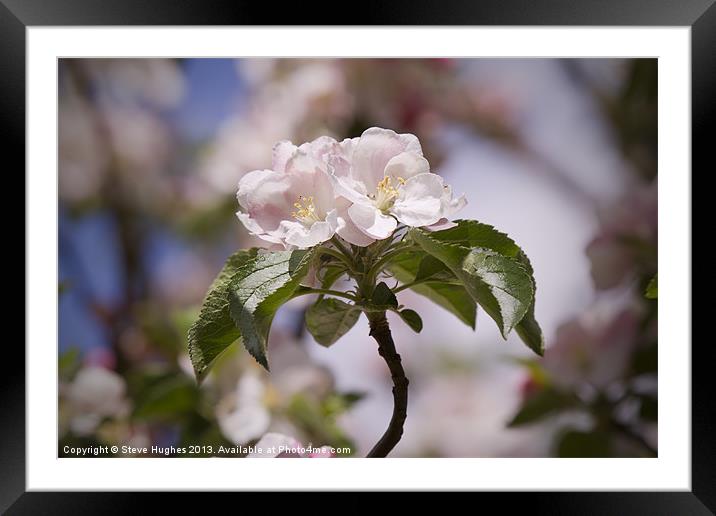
[
  {"x": 594, "y": 348},
  {"x": 242, "y": 416},
  {"x": 95, "y": 393},
  {"x": 386, "y": 178},
  {"x": 359, "y": 189},
  {"x": 294, "y": 203}
]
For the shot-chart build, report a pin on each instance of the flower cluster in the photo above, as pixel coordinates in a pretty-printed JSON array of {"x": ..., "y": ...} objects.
[{"x": 359, "y": 189}]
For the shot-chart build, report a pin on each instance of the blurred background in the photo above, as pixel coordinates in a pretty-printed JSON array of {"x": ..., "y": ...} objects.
[{"x": 558, "y": 153}]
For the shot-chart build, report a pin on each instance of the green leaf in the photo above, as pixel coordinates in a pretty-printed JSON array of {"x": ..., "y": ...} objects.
[
  {"x": 68, "y": 363},
  {"x": 331, "y": 275},
  {"x": 652, "y": 289},
  {"x": 309, "y": 415},
  {"x": 431, "y": 268},
  {"x": 412, "y": 319},
  {"x": 453, "y": 298},
  {"x": 329, "y": 319},
  {"x": 215, "y": 331},
  {"x": 168, "y": 398},
  {"x": 338, "y": 403},
  {"x": 257, "y": 291},
  {"x": 470, "y": 233},
  {"x": 528, "y": 328},
  {"x": 473, "y": 234},
  {"x": 540, "y": 405},
  {"x": 501, "y": 285},
  {"x": 383, "y": 296}
]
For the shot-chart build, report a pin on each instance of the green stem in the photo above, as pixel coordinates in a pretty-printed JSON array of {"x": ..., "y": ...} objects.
[
  {"x": 339, "y": 256},
  {"x": 336, "y": 242},
  {"x": 325, "y": 291},
  {"x": 384, "y": 260}
]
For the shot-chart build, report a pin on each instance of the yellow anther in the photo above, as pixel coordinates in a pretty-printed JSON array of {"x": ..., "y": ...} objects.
[
  {"x": 385, "y": 193},
  {"x": 306, "y": 210}
]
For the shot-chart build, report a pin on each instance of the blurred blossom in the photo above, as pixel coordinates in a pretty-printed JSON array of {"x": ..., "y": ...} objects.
[
  {"x": 627, "y": 238},
  {"x": 307, "y": 379},
  {"x": 256, "y": 71},
  {"x": 139, "y": 139},
  {"x": 134, "y": 343},
  {"x": 594, "y": 349},
  {"x": 100, "y": 357},
  {"x": 112, "y": 132},
  {"x": 158, "y": 81},
  {"x": 82, "y": 154},
  {"x": 95, "y": 393},
  {"x": 185, "y": 365},
  {"x": 275, "y": 445},
  {"x": 293, "y": 371},
  {"x": 242, "y": 415},
  {"x": 456, "y": 416},
  {"x": 275, "y": 111}
]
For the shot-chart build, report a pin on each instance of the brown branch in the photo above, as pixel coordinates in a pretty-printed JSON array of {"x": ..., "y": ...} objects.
[{"x": 380, "y": 331}]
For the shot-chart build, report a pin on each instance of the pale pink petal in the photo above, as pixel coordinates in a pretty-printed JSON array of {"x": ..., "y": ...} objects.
[
  {"x": 406, "y": 165},
  {"x": 309, "y": 178},
  {"x": 372, "y": 221},
  {"x": 375, "y": 149},
  {"x": 250, "y": 224},
  {"x": 245, "y": 424},
  {"x": 266, "y": 196},
  {"x": 339, "y": 163},
  {"x": 304, "y": 237},
  {"x": 321, "y": 147},
  {"x": 256, "y": 230},
  {"x": 282, "y": 152},
  {"x": 451, "y": 205},
  {"x": 346, "y": 228},
  {"x": 419, "y": 202},
  {"x": 350, "y": 189},
  {"x": 347, "y": 147},
  {"x": 441, "y": 224}
]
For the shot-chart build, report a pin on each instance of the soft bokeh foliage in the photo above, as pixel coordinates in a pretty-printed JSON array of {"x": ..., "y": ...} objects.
[{"x": 560, "y": 154}]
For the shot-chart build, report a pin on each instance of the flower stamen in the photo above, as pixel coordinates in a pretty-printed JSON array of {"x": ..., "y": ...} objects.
[
  {"x": 385, "y": 193},
  {"x": 305, "y": 210}
]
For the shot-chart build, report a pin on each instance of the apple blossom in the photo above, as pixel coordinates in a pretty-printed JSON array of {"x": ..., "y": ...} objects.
[
  {"x": 242, "y": 415},
  {"x": 294, "y": 204},
  {"x": 361, "y": 191},
  {"x": 96, "y": 393},
  {"x": 595, "y": 348},
  {"x": 389, "y": 181}
]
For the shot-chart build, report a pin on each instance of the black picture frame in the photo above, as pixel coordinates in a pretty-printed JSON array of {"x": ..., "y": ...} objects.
[{"x": 700, "y": 15}]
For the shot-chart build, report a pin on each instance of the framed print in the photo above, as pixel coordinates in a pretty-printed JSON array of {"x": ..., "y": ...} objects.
[{"x": 433, "y": 238}]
